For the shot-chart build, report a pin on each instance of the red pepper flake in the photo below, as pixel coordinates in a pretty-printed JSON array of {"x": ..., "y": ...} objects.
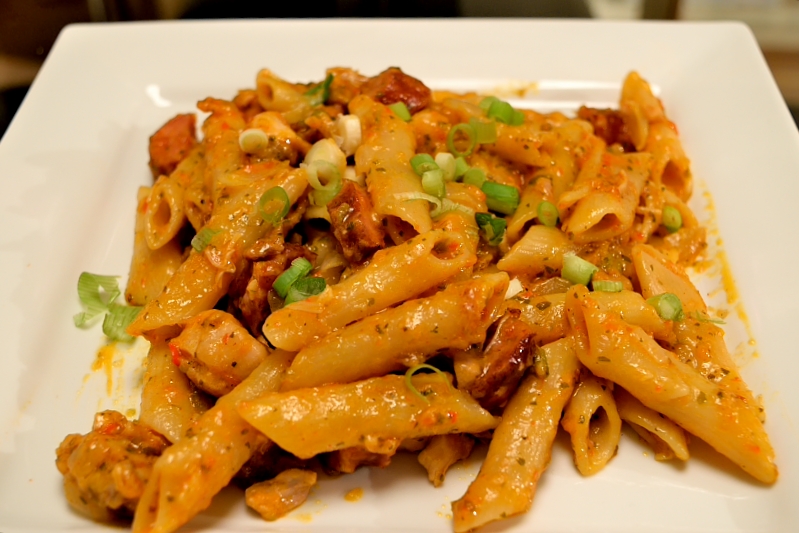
[{"x": 176, "y": 355}]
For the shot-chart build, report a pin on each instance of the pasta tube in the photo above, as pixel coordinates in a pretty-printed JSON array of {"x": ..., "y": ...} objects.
[
  {"x": 376, "y": 413},
  {"x": 190, "y": 473},
  {"x": 593, "y": 422},
  {"x": 626, "y": 355},
  {"x": 666, "y": 438},
  {"x": 170, "y": 403},
  {"x": 384, "y": 157},
  {"x": 433, "y": 257},
  {"x": 403, "y": 336},
  {"x": 150, "y": 270},
  {"x": 522, "y": 443}
]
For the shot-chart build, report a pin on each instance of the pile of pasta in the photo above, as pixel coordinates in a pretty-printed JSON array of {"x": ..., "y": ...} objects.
[{"x": 341, "y": 271}]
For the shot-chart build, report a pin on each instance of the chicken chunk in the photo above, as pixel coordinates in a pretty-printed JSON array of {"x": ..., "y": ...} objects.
[
  {"x": 216, "y": 352},
  {"x": 106, "y": 470}
]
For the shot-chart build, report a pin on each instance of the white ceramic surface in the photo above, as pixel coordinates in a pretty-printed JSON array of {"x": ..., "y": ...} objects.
[{"x": 75, "y": 153}]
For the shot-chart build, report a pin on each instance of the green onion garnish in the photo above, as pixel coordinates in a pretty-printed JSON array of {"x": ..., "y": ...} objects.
[
  {"x": 319, "y": 94},
  {"x": 548, "y": 214},
  {"x": 401, "y": 110},
  {"x": 448, "y": 205},
  {"x": 253, "y": 140},
  {"x": 471, "y": 139},
  {"x": 668, "y": 306},
  {"x": 606, "y": 285},
  {"x": 322, "y": 194},
  {"x": 493, "y": 228},
  {"x": 485, "y": 132},
  {"x": 672, "y": 219},
  {"x": 274, "y": 205},
  {"x": 414, "y": 369},
  {"x": 203, "y": 238},
  {"x": 461, "y": 166},
  {"x": 304, "y": 288},
  {"x": 118, "y": 316},
  {"x": 433, "y": 183},
  {"x": 117, "y": 320},
  {"x": 299, "y": 268},
  {"x": 89, "y": 286},
  {"x": 475, "y": 176},
  {"x": 446, "y": 162},
  {"x": 486, "y": 102},
  {"x": 577, "y": 270},
  {"x": 502, "y": 111},
  {"x": 421, "y": 163},
  {"x": 517, "y": 119},
  {"x": 501, "y": 198}
]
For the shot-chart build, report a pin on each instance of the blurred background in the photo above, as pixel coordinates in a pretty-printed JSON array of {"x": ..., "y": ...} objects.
[{"x": 28, "y": 28}]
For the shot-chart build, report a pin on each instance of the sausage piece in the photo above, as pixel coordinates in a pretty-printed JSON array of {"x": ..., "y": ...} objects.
[
  {"x": 171, "y": 143},
  {"x": 354, "y": 222},
  {"x": 392, "y": 85}
]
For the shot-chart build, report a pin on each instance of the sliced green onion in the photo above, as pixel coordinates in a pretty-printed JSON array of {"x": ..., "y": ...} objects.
[
  {"x": 668, "y": 306},
  {"x": 502, "y": 111},
  {"x": 414, "y": 369},
  {"x": 461, "y": 166},
  {"x": 299, "y": 268},
  {"x": 322, "y": 194},
  {"x": 501, "y": 198},
  {"x": 419, "y": 196},
  {"x": 471, "y": 139},
  {"x": 446, "y": 162},
  {"x": 401, "y": 110},
  {"x": 475, "y": 176},
  {"x": 448, "y": 205},
  {"x": 485, "y": 103},
  {"x": 493, "y": 228},
  {"x": 577, "y": 270},
  {"x": 319, "y": 94},
  {"x": 92, "y": 299},
  {"x": 273, "y": 205},
  {"x": 421, "y": 163},
  {"x": 304, "y": 288},
  {"x": 606, "y": 285},
  {"x": 517, "y": 119},
  {"x": 485, "y": 132},
  {"x": 672, "y": 219},
  {"x": 117, "y": 321},
  {"x": 548, "y": 214},
  {"x": 253, "y": 140},
  {"x": 433, "y": 183},
  {"x": 704, "y": 318},
  {"x": 203, "y": 238}
]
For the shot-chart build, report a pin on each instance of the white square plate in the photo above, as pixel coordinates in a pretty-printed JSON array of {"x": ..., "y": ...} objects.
[{"x": 75, "y": 154}]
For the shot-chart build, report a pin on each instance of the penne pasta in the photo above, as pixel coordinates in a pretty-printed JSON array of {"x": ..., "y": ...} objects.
[
  {"x": 376, "y": 413},
  {"x": 170, "y": 403},
  {"x": 435, "y": 257},
  {"x": 521, "y": 445},
  {"x": 403, "y": 336},
  {"x": 592, "y": 420}
]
